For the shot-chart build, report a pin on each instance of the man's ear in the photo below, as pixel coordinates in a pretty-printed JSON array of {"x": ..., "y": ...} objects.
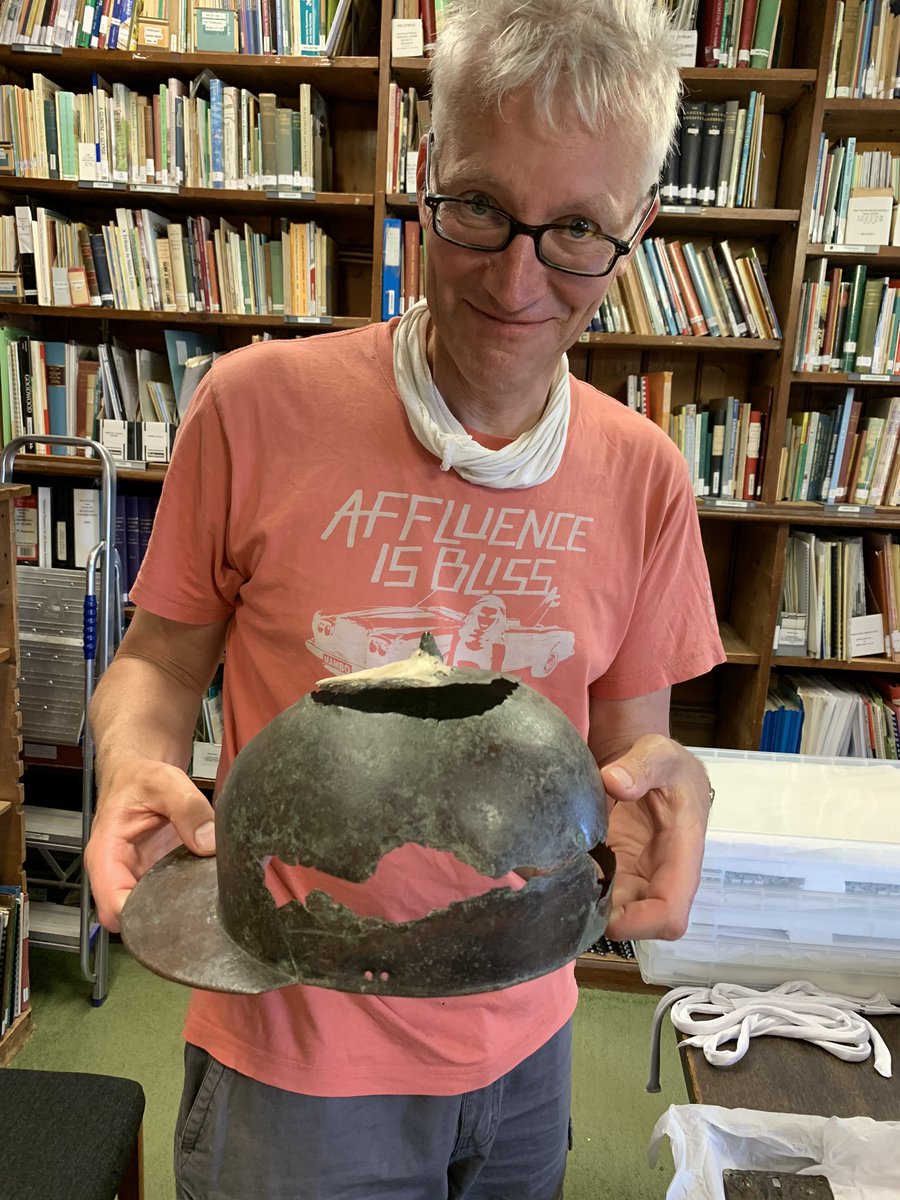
[{"x": 420, "y": 179}]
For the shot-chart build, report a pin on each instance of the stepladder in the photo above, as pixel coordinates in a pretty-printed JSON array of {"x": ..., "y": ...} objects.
[{"x": 70, "y": 622}]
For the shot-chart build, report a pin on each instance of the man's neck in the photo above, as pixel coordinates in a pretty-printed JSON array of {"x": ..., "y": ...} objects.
[{"x": 484, "y": 409}]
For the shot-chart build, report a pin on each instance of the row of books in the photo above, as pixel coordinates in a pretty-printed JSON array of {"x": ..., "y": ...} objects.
[
  {"x": 865, "y": 51},
  {"x": 720, "y": 439},
  {"x": 811, "y": 714},
  {"x": 849, "y": 321},
  {"x": 732, "y": 33},
  {"x": 845, "y": 453},
  {"x": 204, "y": 135},
  {"x": 717, "y": 158},
  {"x": 409, "y": 119},
  {"x": 14, "y": 985},
  {"x": 856, "y": 200},
  {"x": 686, "y": 288},
  {"x": 840, "y": 597},
  {"x": 403, "y": 266},
  {"x": 70, "y": 389},
  {"x": 59, "y": 524},
  {"x": 145, "y": 261},
  {"x": 289, "y": 27}
]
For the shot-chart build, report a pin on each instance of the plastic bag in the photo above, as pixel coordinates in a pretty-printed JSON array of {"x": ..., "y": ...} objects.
[{"x": 859, "y": 1157}]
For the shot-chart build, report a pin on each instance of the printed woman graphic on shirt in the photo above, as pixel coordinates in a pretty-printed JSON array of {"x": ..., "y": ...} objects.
[{"x": 479, "y": 640}]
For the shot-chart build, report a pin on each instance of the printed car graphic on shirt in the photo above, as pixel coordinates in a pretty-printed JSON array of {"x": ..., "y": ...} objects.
[{"x": 482, "y": 637}]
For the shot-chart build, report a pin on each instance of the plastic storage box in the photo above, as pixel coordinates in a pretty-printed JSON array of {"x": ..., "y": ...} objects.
[{"x": 801, "y": 878}]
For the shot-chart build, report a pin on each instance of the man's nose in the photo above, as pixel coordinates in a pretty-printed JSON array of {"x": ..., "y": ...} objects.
[{"x": 515, "y": 277}]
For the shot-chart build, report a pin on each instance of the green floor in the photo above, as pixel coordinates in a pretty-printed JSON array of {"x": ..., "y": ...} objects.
[{"x": 137, "y": 1034}]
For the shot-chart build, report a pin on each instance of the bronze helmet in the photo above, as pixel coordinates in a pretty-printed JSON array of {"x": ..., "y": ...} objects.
[{"x": 459, "y": 759}]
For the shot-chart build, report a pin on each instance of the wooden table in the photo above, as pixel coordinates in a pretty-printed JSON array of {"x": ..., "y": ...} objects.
[{"x": 780, "y": 1075}]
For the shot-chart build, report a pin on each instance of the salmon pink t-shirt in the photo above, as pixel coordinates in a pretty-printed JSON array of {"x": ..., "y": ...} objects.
[{"x": 300, "y": 507}]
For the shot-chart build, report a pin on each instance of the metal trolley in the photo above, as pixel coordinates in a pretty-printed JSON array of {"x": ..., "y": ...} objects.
[{"x": 102, "y": 626}]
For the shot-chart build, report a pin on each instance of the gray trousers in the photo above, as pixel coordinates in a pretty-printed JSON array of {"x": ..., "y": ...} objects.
[{"x": 238, "y": 1139}]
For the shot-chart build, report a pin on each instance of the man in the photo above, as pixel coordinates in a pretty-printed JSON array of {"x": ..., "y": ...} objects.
[{"x": 319, "y": 491}]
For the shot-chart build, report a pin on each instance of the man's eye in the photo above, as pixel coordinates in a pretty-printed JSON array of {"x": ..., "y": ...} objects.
[
  {"x": 580, "y": 229},
  {"x": 478, "y": 205}
]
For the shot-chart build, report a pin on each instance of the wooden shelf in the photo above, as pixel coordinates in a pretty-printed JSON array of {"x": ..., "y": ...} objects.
[
  {"x": 838, "y": 664},
  {"x": 842, "y": 379},
  {"x": 872, "y": 256},
  {"x": 613, "y": 973},
  {"x": 736, "y": 648},
  {"x": 782, "y": 89},
  {"x": 4, "y": 654},
  {"x": 742, "y": 222},
  {"x": 205, "y": 199},
  {"x": 354, "y": 78},
  {"x": 180, "y": 318},
  {"x": 806, "y": 513},
  {"x": 863, "y": 119},
  {"x": 15, "y": 1037},
  {"x": 82, "y": 468},
  {"x": 640, "y": 341},
  {"x": 714, "y": 221},
  {"x": 5, "y": 806}
]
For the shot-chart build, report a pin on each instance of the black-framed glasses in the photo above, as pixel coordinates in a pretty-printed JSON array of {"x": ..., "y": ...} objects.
[{"x": 577, "y": 247}]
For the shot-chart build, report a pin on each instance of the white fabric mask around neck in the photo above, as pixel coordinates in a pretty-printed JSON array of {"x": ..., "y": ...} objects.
[{"x": 530, "y": 459}]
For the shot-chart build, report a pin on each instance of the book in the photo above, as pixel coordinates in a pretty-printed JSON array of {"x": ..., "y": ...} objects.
[
  {"x": 868, "y": 320},
  {"x": 709, "y": 28},
  {"x": 659, "y": 398},
  {"x": 391, "y": 268},
  {"x": 692, "y": 115},
  {"x": 710, "y": 153},
  {"x": 216, "y": 30},
  {"x": 764, "y": 31},
  {"x": 869, "y": 215},
  {"x": 730, "y": 125},
  {"x": 854, "y": 311}
]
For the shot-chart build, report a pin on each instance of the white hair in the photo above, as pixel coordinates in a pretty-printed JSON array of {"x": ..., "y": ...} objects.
[{"x": 608, "y": 60}]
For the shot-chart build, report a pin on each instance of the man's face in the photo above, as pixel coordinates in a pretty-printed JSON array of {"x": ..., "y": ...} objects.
[{"x": 502, "y": 319}]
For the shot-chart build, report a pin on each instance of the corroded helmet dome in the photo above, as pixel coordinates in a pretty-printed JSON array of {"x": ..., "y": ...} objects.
[{"x": 454, "y": 759}]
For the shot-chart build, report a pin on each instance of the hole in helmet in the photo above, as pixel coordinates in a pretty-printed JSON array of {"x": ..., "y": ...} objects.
[
  {"x": 452, "y": 702},
  {"x": 408, "y": 883}
]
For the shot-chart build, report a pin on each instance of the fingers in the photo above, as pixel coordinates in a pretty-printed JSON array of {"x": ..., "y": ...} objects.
[
  {"x": 138, "y": 824},
  {"x": 192, "y": 815},
  {"x": 659, "y": 906},
  {"x": 658, "y": 765},
  {"x": 645, "y": 919},
  {"x": 652, "y": 762}
]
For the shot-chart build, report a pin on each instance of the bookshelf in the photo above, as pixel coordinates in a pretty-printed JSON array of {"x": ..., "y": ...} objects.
[
  {"x": 745, "y": 542},
  {"x": 745, "y": 545}
]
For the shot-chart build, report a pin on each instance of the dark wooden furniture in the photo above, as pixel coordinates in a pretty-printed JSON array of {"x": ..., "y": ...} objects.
[{"x": 781, "y": 1075}]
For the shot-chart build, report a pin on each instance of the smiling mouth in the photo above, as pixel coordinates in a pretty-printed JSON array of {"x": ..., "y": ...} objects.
[{"x": 509, "y": 321}]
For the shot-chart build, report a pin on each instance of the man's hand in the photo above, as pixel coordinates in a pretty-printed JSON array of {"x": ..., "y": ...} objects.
[
  {"x": 659, "y": 803},
  {"x": 148, "y": 809}
]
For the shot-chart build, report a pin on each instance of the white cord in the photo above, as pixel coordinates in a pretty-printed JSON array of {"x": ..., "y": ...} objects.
[{"x": 728, "y": 1012}]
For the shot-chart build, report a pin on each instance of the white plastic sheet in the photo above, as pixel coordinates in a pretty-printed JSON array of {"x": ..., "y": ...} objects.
[{"x": 859, "y": 1157}]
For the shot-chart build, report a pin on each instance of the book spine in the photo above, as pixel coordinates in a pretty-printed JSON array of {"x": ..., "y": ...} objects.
[
  {"x": 689, "y": 169},
  {"x": 854, "y": 310},
  {"x": 217, "y": 139},
  {"x": 710, "y": 153},
  {"x": 391, "y": 268},
  {"x": 689, "y": 296}
]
